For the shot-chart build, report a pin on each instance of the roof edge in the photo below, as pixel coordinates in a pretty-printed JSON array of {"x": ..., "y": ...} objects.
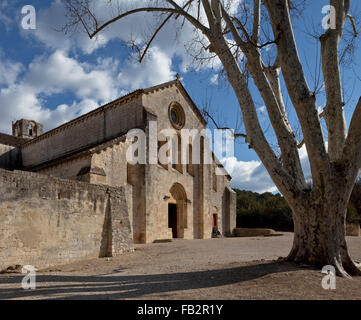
[
  {"x": 192, "y": 103},
  {"x": 11, "y": 141},
  {"x": 122, "y": 99}
]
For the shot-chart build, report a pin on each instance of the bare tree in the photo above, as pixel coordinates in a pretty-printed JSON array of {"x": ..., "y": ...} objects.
[{"x": 319, "y": 211}]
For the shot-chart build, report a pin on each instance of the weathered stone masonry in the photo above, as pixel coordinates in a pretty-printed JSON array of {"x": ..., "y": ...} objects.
[
  {"x": 106, "y": 203},
  {"x": 46, "y": 221}
]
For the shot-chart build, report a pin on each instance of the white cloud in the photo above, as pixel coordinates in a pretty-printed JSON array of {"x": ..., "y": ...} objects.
[
  {"x": 64, "y": 73},
  {"x": 171, "y": 41},
  {"x": 58, "y": 73},
  {"x": 18, "y": 101},
  {"x": 9, "y": 71},
  {"x": 155, "y": 69},
  {"x": 92, "y": 85},
  {"x": 64, "y": 113},
  {"x": 4, "y": 18},
  {"x": 249, "y": 175},
  {"x": 49, "y": 31},
  {"x": 262, "y": 110},
  {"x": 305, "y": 162},
  {"x": 252, "y": 175},
  {"x": 214, "y": 79}
]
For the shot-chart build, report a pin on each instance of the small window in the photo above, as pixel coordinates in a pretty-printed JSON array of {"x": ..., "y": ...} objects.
[
  {"x": 177, "y": 154},
  {"x": 176, "y": 115},
  {"x": 160, "y": 145},
  {"x": 190, "y": 168},
  {"x": 130, "y": 174},
  {"x": 214, "y": 181}
]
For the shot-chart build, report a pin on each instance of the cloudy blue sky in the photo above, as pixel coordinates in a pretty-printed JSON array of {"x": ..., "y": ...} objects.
[{"x": 51, "y": 77}]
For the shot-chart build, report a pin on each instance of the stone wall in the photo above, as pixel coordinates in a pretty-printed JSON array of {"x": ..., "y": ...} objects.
[
  {"x": 46, "y": 221},
  {"x": 86, "y": 145},
  {"x": 68, "y": 169},
  {"x": 253, "y": 232},
  {"x": 114, "y": 163},
  {"x": 202, "y": 199},
  {"x": 353, "y": 229},
  {"x": 158, "y": 195},
  {"x": 159, "y": 180},
  {"x": 9, "y": 157}
]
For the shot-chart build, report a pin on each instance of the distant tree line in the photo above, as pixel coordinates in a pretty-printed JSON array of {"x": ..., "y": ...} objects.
[{"x": 269, "y": 210}]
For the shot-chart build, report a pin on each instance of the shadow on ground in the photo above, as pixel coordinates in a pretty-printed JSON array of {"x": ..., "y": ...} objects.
[{"x": 116, "y": 286}]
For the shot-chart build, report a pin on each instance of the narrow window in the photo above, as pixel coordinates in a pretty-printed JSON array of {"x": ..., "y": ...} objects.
[
  {"x": 160, "y": 145},
  {"x": 177, "y": 154},
  {"x": 130, "y": 173},
  {"x": 190, "y": 161},
  {"x": 214, "y": 181}
]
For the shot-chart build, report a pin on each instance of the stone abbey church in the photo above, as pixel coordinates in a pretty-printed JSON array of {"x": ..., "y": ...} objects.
[{"x": 70, "y": 192}]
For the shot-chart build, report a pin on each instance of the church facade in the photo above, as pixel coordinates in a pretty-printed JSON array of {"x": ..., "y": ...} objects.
[{"x": 164, "y": 200}]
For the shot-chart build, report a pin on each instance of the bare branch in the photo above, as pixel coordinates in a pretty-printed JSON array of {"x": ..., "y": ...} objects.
[
  {"x": 285, "y": 136},
  {"x": 335, "y": 118},
  {"x": 246, "y": 34},
  {"x": 208, "y": 11},
  {"x": 355, "y": 33},
  {"x": 177, "y": 10},
  {"x": 236, "y": 36},
  {"x": 199, "y": 9},
  {"x": 302, "y": 98},
  {"x": 158, "y": 30},
  {"x": 302, "y": 143},
  {"x": 76, "y": 12},
  {"x": 256, "y": 20},
  {"x": 236, "y": 135},
  {"x": 154, "y": 36}
]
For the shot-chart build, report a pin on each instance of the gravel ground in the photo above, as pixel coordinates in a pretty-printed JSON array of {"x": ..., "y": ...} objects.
[{"x": 228, "y": 268}]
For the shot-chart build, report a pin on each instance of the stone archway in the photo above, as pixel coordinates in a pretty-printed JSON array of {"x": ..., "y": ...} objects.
[{"x": 177, "y": 210}]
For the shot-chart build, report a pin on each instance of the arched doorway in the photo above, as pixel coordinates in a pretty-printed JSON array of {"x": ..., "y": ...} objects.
[{"x": 177, "y": 210}]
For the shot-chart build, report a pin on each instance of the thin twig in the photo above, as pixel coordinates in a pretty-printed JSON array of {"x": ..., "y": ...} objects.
[{"x": 236, "y": 135}]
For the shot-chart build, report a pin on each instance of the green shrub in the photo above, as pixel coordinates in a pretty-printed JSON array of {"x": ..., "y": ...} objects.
[
  {"x": 269, "y": 210},
  {"x": 265, "y": 210}
]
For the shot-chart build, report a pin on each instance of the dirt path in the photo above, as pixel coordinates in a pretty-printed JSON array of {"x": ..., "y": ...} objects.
[{"x": 233, "y": 268}]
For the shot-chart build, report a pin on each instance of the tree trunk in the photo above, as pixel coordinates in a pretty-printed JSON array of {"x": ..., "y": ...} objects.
[{"x": 320, "y": 236}]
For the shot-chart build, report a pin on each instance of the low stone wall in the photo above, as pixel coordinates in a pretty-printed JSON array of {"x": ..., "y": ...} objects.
[
  {"x": 353, "y": 229},
  {"x": 46, "y": 221},
  {"x": 254, "y": 232}
]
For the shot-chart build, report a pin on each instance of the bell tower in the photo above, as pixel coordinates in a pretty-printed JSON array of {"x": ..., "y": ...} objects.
[{"x": 27, "y": 129}]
